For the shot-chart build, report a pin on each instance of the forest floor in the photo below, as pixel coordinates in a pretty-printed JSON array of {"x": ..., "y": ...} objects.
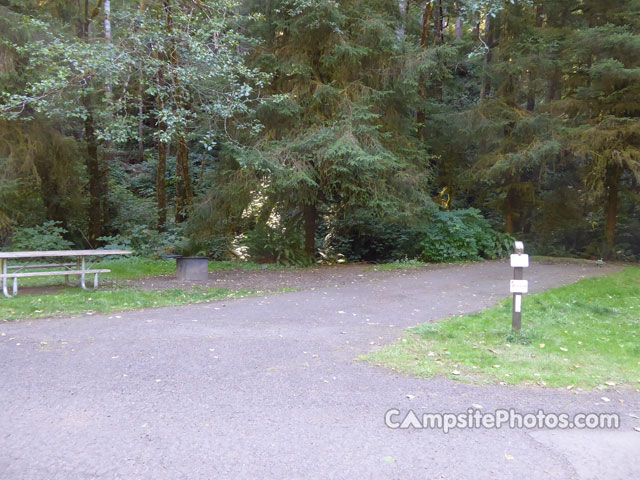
[
  {"x": 268, "y": 280},
  {"x": 270, "y": 387}
]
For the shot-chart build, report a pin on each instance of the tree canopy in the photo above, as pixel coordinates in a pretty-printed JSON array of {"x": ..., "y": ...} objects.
[{"x": 293, "y": 130}]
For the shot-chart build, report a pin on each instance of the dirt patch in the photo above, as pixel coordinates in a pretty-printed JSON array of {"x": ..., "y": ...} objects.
[
  {"x": 277, "y": 280},
  {"x": 267, "y": 280}
]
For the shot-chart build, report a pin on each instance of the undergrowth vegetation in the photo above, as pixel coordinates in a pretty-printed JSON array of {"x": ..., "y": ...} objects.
[{"x": 445, "y": 237}]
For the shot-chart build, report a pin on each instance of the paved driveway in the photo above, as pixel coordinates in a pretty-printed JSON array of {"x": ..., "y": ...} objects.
[{"x": 268, "y": 388}]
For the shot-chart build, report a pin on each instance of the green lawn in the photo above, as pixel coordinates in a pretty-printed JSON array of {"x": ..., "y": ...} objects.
[
  {"x": 76, "y": 301},
  {"x": 112, "y": 297},
  {"x": 134, "y": 268},
  {"x": 137, "y": 267},
  {"x": 582, "y": 335}
]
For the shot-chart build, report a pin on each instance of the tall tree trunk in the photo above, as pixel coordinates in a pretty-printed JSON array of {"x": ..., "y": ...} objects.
[
  {"x": 140, "y": 119},
  {"x": 531, "y": 91},
  {"x": 185, "y": 185},
  {"x": 442, "y": 23},
  {"x": 531, "y": 77},
  {"x": 422, "y": 88},
  {"x": 107, "y": 20},
  {"x": 554, "y": 85},
  {"x": 161, "y": 171},
  {"x": 184, "y": 199},
  {"x": 554, "y": 80},
  {"x": 310, "y": 214},
  {"x": 439, "y": 24},
  {"x": 539, "y": 13},
  {"x": 108, "y": 148},
  {"x": 485, "y": 90},
  {"x": 508, "y": 226},
  {"x": 612, "y": 182},
  {"x": 509, "y": 210},
  {"x": 403, "y": 7},
  {"x": 426, "y": 24},
  {"x": 140, "y": 100},
  {"x": 93, "y": 161},
  {"x": 507, "y": 90},
  {"x": 95, "y": 187},
  {"x": 475, "y": 31},
  {"x": 161, "y": 185},
  {"x": 179, "y": 212},
  {"x": 459, "y": 28}
]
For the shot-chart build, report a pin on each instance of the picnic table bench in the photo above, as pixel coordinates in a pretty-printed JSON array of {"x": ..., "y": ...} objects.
[{"x": 15, "y": 272}]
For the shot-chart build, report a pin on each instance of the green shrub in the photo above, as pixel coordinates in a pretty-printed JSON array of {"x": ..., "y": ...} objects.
[
  {"x": 48, "y": 236},
  {"x": 129, "y": 211},
  {"x": 432, "y": 236},
  {"x": 218, "y": 247},
  {"x": 462, "y": 235},
  {"x": 277, "y": 244},
  {"x": 146, "y": 241},
  {"x": 363, "y": 236}
]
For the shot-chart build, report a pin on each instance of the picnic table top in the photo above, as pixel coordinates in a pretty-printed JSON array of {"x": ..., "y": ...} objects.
[{"x": 62, "y": 253}]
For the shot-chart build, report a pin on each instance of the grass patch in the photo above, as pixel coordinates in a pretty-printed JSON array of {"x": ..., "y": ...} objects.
[
  {"x": 134, "y": 268},
  {"x": 72, "y": 301},
  {"x": 405, "y": 264},
  {"x": 76, "y": 301},
  {"x": 582, "y": 335}
]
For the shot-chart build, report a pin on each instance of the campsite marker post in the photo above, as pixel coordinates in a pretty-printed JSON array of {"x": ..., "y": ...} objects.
[{"x": 518, "y": 286}]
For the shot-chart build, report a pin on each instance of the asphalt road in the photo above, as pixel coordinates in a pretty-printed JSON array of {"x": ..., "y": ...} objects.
[{"x": 269, "y": 388}]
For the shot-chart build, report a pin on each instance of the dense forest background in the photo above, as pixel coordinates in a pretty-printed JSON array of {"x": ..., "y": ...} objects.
[{"x": 292, "y": 130}]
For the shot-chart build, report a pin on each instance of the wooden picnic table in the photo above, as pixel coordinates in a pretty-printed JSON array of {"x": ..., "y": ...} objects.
[{"x": 42, "y": 270}]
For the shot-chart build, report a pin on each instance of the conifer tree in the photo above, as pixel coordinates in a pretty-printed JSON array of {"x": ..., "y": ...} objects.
[
  {"x": 603, "y": 101},
  {"x": 336, "y": 133}
]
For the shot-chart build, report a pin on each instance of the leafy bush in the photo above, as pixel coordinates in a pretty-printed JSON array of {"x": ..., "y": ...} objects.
[
  {"x": 129, "y": 212},
  {"x": 362, "y": 236},
  {"x": 431, "y": 236},
  {"x": 462, "y": 235},
  {"x": 218, "y": 247},
  {"x": 278, "y": 245},
  {"x": 48, "y": 236},
  {"x": 145, "y": 240},
  {"x": 190, "y": 247}
]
